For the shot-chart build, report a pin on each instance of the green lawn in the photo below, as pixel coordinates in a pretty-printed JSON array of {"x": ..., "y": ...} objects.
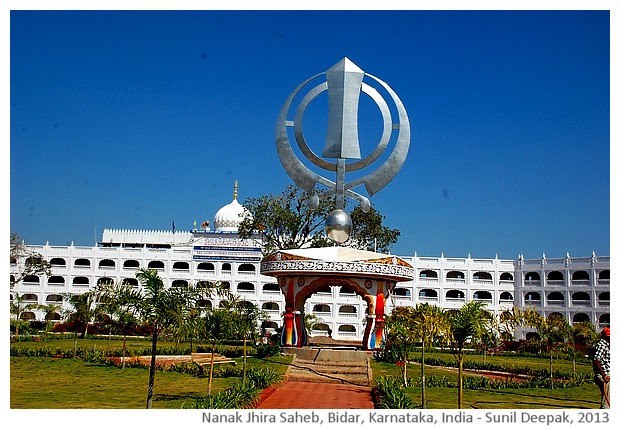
[
  {"x": 38, "y": 382},
  {"x": 67, "y": 383},
  {"x": 441, "y": 397}
]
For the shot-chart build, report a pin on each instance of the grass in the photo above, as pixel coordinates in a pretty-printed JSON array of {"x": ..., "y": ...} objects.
[
  {"x": 38, "y": 383},
  {"x": 446, "y": 398}
]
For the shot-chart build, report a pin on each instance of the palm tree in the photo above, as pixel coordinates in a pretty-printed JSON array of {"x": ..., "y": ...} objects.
[
  {"x": 83, "y": 312},
  {"x": 18, "y": 307},
  {"x": 552, "y": 330},
  {"x": 401, "y": 331},
  {"x": 429, "y": 322},
  {"x": 466, "y": 325},
  {"x": 217, "y": 325},
  {"x": 121, "y": 301},
  {"x": 160, "y": 307}
]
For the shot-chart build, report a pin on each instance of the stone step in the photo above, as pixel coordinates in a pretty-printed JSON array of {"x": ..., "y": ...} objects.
[{"x": 329, "y": 372}]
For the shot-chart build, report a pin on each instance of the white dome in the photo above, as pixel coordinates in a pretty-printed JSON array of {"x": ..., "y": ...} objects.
[{"x": 228, "y": 218}]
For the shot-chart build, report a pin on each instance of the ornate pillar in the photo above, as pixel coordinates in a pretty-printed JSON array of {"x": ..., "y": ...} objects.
[
  {"x": 293, "y": 329},
  {"x": 373, "y": 335}
]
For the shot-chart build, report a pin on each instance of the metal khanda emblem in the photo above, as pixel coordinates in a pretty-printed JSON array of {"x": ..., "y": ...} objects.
[{"x": 344, "y": 83}]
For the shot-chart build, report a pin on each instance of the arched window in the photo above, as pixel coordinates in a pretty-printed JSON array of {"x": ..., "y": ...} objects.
[
  {"x": 428, "y": 294},
  {"x": 581, "y": 275},
  {"x": 321, "y": 308},
  {"x": 56, "y": 280},
  {"x": 532, "y": 298},
  {"x": 53, "y": 316},
  {"x": 245, "y": 287},
  {"x": 581, "y": 298},
  {"x": 505, "y": 296},
  {"x": 81, "y": 263},
  {"x": 604, "y": 319},
  {"x": 482, "y": 295},
  {"x": 28, "y": 315},
  {"x": 226, "y": 267},
  {"x": 603, "y": 275},
  {"x": 347, "y": 310},
  {"x": 131, "y": 281},
  {"x": 402, "y": 292},
  {"x": 30, "y": 297},
  {"x": 204, "y": 303},
  {"x": 482, "y": 275},
  {"x": 506, "y": 277},
  {"x": 205, "y": 266},
  {"x": 273, "y": 306},
  {"x": 555, "y": 276},
  {"x": 603, "y": 296},
  {"x": 58, "y": 262},
  {"x": 54, "y": 298},
  {"x": 181, "y": 266},
  {"x": 247, "y": 269},
  {"x": 321, "y": 329},
  {"x": 532, "y": 277},
  {"x": 269, "y": 326},
  {"x": 428, "y": 275},
  {"x": 455, "y": 276},
  {"x": 555, "y": 298},
  {"x": 580, "y": 318},
  {"x": 32, "y": 279},
  {"x": 271, "y": 288},
  {"x": 81, "y": 281},
  {"x": 107, "y": 264},
  {"x": 347, "y": 329},
  {"x": 455, "y": 294},
  {"x": 180, "y": 283},
  {"x": 157, "y": 265},
  {"x": 131, "y": 264},
  {"x": 105, "y": 281}
]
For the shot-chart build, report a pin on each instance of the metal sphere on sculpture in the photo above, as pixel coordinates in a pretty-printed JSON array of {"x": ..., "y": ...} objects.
[{"x": 338, "y": 226}]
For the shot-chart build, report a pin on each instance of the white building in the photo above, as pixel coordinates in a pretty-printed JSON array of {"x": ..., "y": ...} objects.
[{"x": 578, "y": 288}]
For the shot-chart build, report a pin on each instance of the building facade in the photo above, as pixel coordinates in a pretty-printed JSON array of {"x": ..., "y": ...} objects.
[{"x": 578, "y": 288}]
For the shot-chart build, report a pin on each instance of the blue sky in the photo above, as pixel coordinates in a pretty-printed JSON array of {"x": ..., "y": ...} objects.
[{"x": 136, "y": 119}]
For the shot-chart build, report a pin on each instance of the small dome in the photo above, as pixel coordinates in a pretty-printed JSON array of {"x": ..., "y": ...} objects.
[{"x": 228, "y": 218}]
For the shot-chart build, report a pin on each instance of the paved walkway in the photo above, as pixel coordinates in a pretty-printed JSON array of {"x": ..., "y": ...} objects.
[{"x": 303, "y": 395}]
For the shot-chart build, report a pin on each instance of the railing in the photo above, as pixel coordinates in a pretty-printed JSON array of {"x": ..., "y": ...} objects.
[
  {"x": 455, "y": 299},
  {"x": 581, "y": 302},
  {"x": 603, "y": 302},
  {"x": 483, "y": 281},
  {"x": 454, "y": 280},
  {"x": 352, "y": 315},
  {"x": 347, "y": 334},
  {"x": 346, "y": 295},
  {"x": 532, "y": 302},
  {"x": 487, "y": 300},
  {"x": 580, "y": 282},
  {"x": 429, "y": 279},
  {"x": 272, "y": 292},
  {"x": 556, "y": 282},
  {"x": 322, "y": 313},
  {"x": 211, "y": 272},
  {"x": 506, "y": 282},
  {"x": 531, "y": 282},
  {"x": 246, "y": 291},
  {"x": 556, "y": 302},
  {"x": 429, "y": 298},
  {"x": 602, "y": 282}
]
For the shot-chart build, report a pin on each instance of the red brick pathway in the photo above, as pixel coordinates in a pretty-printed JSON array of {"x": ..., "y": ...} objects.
[{"x": 300, "y": 395}]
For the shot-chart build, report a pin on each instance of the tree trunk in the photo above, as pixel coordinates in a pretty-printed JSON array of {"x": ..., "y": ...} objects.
[
  {"x": 245, "y": 359},
  {"x": 211, "y": 369},
  {"x": 75, "y": 335},
  {"x": 423, "y": 378},
  {"x": 460, "y": 396},
  {"x": 551, "y": 369},
  {"x": 149, "y": 396},
  {"x": 124, "y": 350},
  {"x": 405, "y": 383}
]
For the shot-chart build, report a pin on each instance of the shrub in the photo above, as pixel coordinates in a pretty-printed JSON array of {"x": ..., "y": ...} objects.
[{"x": 388, "y": 392}]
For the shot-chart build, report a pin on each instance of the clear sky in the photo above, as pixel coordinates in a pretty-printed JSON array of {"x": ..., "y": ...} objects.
[{"x": 136, "y": 119}]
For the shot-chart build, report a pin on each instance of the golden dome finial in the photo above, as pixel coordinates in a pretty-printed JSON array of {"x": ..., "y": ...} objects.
[{"x": 235, "y": 192}]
